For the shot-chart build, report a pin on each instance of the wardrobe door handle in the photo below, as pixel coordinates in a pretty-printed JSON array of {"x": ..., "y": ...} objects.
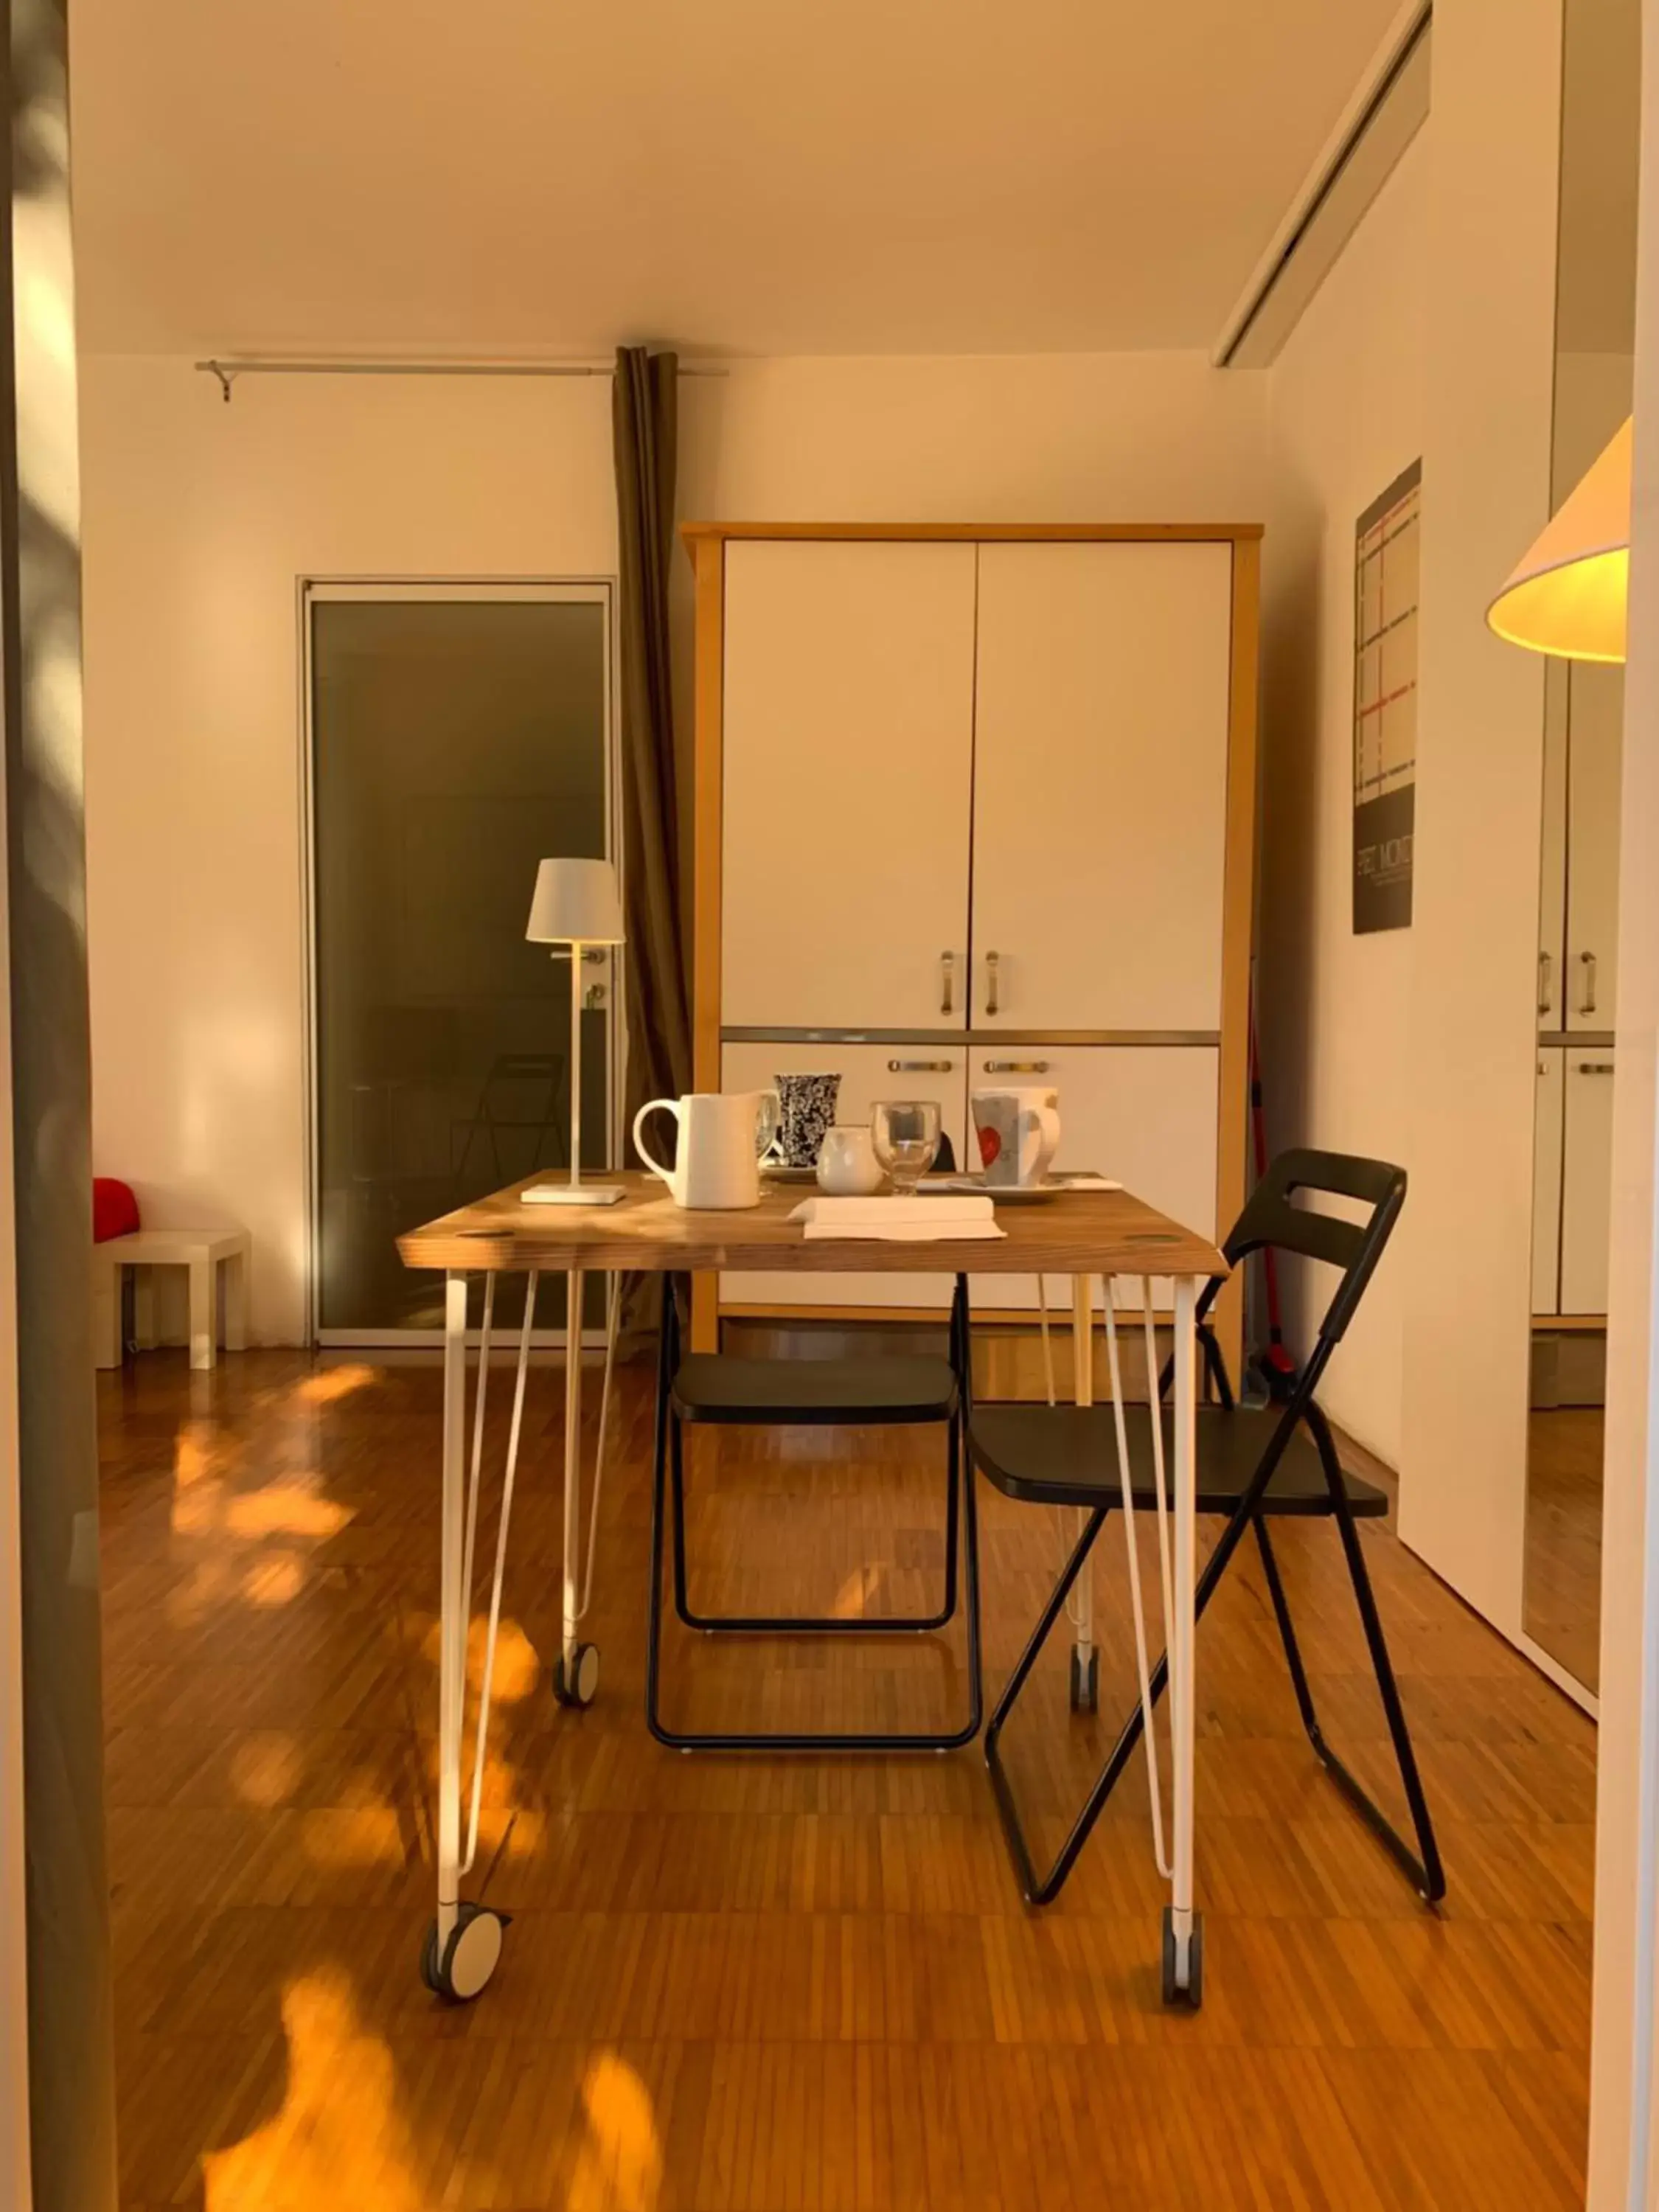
[
  {"x": 947, "y": 962},
  {"x": 1015, "y": 1067},
  {"x": 920, "y": 1067},
  {"x": 1587, "y": 960},
  {"x": 992, "y": 964},
  {"x": 1545, "y": 990},
  {"x": 1595, "y": 1067}
]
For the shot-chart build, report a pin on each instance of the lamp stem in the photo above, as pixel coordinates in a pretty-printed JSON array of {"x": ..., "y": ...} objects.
[{"x": 575, "y": 1069}]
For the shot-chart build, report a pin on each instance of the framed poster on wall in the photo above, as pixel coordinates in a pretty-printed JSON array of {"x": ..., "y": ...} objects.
[{"x": 1385, "y": 584}]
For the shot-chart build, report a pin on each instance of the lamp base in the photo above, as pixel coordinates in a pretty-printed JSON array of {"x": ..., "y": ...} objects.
[{"x": 566, "y": 1194}]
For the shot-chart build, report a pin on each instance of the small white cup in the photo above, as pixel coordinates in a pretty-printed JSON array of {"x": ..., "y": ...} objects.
[{"x": 847, "y": 1166}]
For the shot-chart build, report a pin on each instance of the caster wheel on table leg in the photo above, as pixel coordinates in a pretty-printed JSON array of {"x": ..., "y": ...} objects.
[
  {"x": 1085, "y": 1682},
  {"x": 1192, "y": 1996},
  {"x": 578, "y": 1684},
  {"x": 470, "y": 1957}
]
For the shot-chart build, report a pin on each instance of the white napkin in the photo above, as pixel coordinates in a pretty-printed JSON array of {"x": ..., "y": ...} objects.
[{"x": 900, "y": 1221}]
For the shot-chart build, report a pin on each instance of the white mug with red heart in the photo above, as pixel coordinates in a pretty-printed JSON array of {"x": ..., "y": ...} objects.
[{"x": 1019, "y": 1132}]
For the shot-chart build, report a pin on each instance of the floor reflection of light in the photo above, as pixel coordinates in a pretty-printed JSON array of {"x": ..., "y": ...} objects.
[
  {"x": 276, "y": 1579},
  {"x": 330, "y": 1383},
  {"x": 518, "y": 1669},
  {"x": 284, "y": 1508},
  {"x": 619, "y": 2166},
  {"x": 339, "y": 2138},
  {"x": 264, "y": 1770}
]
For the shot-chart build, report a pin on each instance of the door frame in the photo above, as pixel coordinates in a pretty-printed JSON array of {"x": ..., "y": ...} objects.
[{"x": 311, "y": 591}]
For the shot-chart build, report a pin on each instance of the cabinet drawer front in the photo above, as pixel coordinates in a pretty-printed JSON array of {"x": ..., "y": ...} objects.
[
  {"x": 1100, "y": 739},
  {"x": 847, "y": 770},
  {"x": 867, "y": 1073},
  {"x": 1144, "y": 1114}
]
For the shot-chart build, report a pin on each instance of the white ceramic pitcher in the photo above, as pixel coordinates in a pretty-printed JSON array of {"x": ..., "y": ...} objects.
[{"x": 722, "y": 1135}]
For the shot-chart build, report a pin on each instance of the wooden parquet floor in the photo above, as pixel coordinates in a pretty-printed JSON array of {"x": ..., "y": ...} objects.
[{"x": 782, "y": 1985}]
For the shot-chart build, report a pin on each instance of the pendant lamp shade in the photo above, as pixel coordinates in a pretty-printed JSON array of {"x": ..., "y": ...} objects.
[
  {"x": 1567, "y": 597},
  {"x": 575, "y": 902}
]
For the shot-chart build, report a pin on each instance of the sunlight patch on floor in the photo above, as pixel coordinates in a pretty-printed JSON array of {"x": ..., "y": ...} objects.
[
  {"x": 619, "y": 2165},
  {"x": 323, "y": 2148}
]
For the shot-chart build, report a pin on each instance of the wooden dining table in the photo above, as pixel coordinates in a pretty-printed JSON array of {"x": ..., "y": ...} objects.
[{"x": 1094, "y": 1235}]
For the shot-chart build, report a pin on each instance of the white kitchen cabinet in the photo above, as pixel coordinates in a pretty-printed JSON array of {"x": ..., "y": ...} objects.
[
  {"x": 1596, "y": 727},
  {"x": 1586, "y": 1178},
  {"x": 867, "y": 1071},
  {"x": 918, "y": 747},
  {"x": 1143, "y": 1115},
  {"x": 1100, "y": 786},
  {"x": 1547, "y": 1183},
  {"x": 845, "y": 777}
]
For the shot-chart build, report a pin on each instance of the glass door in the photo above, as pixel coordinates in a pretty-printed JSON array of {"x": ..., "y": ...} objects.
[{"x": 456, "y": 735}]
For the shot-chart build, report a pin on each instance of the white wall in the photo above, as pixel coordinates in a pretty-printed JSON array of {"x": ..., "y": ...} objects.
[
  {"x": 200, "y": 519},
  {"x": 1490, "y": 308},
  {"x": 1346, "y": 416}
]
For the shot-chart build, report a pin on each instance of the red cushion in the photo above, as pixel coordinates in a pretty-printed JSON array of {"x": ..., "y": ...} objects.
[{"x": 114, "y": 1209}]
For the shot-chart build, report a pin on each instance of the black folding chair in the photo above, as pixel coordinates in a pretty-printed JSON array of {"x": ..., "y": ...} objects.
[
  {"x": 1252, "y": 1467},
  {"x": 882, "y": 1390}
]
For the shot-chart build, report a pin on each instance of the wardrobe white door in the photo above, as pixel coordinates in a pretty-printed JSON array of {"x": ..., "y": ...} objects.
[
  {"x": 1144, "y": 1114},
  {"x": 1586, "y": 1181},
  {"x": 1553, "y": 861},
  {"x": 848, "y": 771},
  {"x": 1546, "y": 1182},
  {"x": 1100, "y": 786},
  {"x": 1595, "y": 747},
  {"x": 867, "y": 1073}
]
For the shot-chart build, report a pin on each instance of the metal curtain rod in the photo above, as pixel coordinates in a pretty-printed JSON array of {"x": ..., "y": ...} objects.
[{"x": 229, "y": 371}]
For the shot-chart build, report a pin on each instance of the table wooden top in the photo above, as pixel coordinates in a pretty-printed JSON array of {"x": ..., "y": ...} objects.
[{"x": 1074, "y": 1232}]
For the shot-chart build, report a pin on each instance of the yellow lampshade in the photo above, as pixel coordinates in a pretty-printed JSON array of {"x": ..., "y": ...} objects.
[{"x": 1568, "y": 595}]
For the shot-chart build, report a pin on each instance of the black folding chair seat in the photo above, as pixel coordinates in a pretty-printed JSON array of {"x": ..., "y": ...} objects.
[
  {"x": 1067, "y": 1455},
  {"x": 720, "y": 1390},
  {"x": 873, "y": 1392},
  {"x": 1252, "y": 1467}
]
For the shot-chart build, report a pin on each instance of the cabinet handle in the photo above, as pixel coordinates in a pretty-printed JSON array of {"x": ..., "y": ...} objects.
[
  {"x": 992, "y": 961},
  {"x": 1595, "y": 1067},
  {"x": 1588, "y": 962},
  {"x": 1016, "y": 1066},
  {"x": 947, "y": 962},
  {"x": 1543, "y": 990},
  {"x": 920, "y": 1067}
]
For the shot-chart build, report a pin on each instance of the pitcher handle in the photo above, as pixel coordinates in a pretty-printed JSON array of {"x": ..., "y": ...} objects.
[
  {"x": 768, "y": 1123},
  {"x": 651, "y": 1106}
]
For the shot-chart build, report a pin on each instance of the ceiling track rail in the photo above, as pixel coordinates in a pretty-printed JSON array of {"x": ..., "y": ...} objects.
[
  {"x": 1403, "y": 45},
  {"x": 230, "y": 368}
]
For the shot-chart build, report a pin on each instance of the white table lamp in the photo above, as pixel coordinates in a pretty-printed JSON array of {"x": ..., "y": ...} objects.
[{"x": 575, "y": 904}]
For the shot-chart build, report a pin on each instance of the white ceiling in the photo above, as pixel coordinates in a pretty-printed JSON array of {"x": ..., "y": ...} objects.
[{"x": 766, "y": 176}]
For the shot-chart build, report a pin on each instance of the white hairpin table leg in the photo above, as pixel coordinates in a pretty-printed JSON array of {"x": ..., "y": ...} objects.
[
  {"x": 1085, "y": 1659},
  {"x": 465, "y": 1941},
  {"x": 576, "y": 1677},
  {"x": 1183, "y": 1930}
]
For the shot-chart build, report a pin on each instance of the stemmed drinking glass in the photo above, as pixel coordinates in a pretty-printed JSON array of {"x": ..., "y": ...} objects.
[{"x": 905, "y": 1133}]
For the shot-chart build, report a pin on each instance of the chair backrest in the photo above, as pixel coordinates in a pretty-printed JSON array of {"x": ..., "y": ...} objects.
[{"x": 1355, "y": 1247}]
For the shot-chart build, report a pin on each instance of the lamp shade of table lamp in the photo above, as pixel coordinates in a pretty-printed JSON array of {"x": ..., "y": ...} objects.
[
  {"x": 575, "y": 902},
  {"x": 1568, "y": 595}
]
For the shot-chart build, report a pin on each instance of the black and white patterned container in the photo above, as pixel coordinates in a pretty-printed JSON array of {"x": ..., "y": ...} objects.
[{"x": 806, "y": 1107}]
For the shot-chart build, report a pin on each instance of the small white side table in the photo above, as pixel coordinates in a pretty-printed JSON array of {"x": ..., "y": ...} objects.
[{"x": 203, "y": 1252}]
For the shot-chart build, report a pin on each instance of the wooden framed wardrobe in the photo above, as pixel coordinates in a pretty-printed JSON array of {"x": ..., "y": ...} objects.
[{"x": 977, "y": 803}]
